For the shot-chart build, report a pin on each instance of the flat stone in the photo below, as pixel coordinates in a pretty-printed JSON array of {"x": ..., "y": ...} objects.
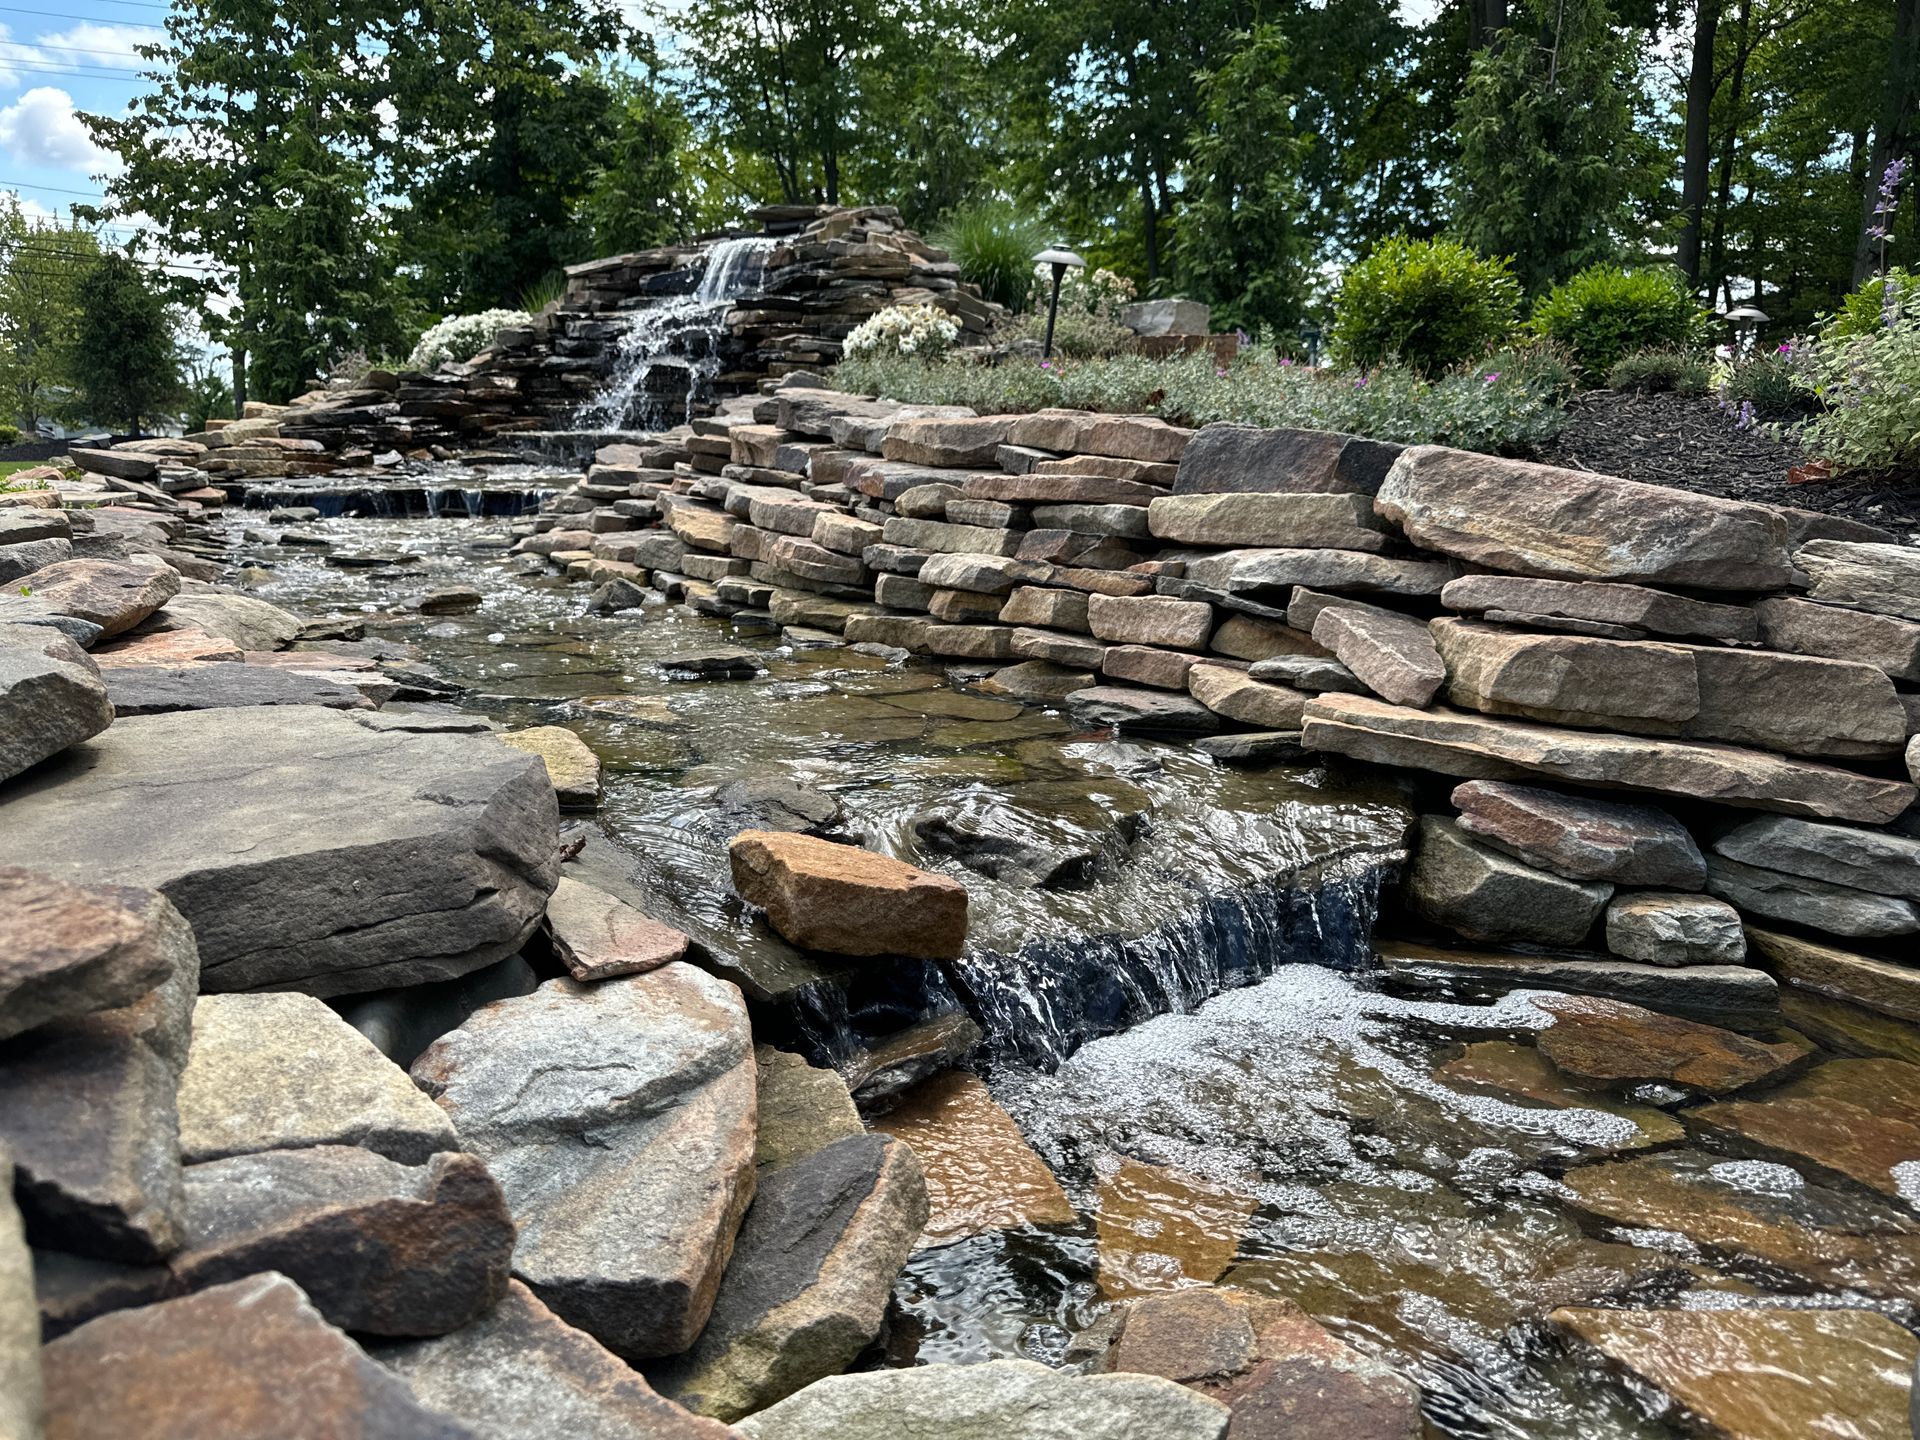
[
  {"x": 285, "y": 1072},
  {"x": 1674, "y": 929},
  {"x": 1238, "y": 696},
  {"x": 803, "y": 1108},
  {"x": 1569, "y": 680},
  {"x": 1630, "y": 607},
  {"x": 250, "y": 623},
  {"x": 21, "y": 558},
  {"x": 1482, "y": 747},
  {"x": 70, "y": 950},
  {"x": 1392, "y": 655},
  {"x": 597, "y": 936},
  {"x": 1243, "y": 637},
  {"x": 22, "y": 1405},
  {"x": 379, "y": 1248},
  {"x": 946, "y": 441},
  {"x": 23, "y": 524},
  {"x": 304, "y": 847},
  {"x": 1146, "y": 665},
  {"x": 1884, "y": 579},
  {"x": 1879, "y": 985},
  {"x": 812, "y": 1272},
  {"x": 449, "y": 600},
  {"x": 1141, "y": 712},
  {"x": 1817, "y": 904},
  {"x": 120, "y": 464},
  {"x": 1808, "y": 628},
  {"x": 619, "y": 1120},
  {"x": 769, "y": 802},
  {"x": 51, "y": 696},
  {"x": 1255, "y": 572},
  {"x": 161, "y": 689},
  {"x": 1264, "y": 747},
  {"x": 1520, "y": 1072},
  {"x": 1721, "y": 994},
  {"x": 1845, "y": 1131},
  {"x": 1047, "y": 609},
  {"x": 1159, "y": 1228},
  {"x": 712, "y": 665},
  {"x": 1038, "y": 489},
  {"x": 1314, "y": 674},
  {"x": 1763, "y": 1374},
  {"x": 1126, "y": 522},
  {"x": 1485, "y": 895},
  {"x": 1832, "y": 1238},
  {"x": 1579, "y": 837},
  {"x": 1871, "y": 860},
  {"x": 981, "y": 1174},
  {"x": 926, "y": 501},
  {"x": 522, "y": 1371},
  {"x": 961, "y": 607},
  {"x": 847, "y": 901},
  {"x": 1245, "y": 458},
  {"x": 945, "y": 539},
  {"x": 167, "y": 647},
  {"x": 572, "y": 767},
  {"x": 1277, "y": 521},
  {"x": 252, "y": 1360},
  {"x": 1527, "y": 519},
  {"x": 1281, "y": 1373},
  {"x": 1037, "y": 682},
  {"x": 991, "y": 1401},
  {"x": 1613, "y": 1044},
  {"x": 1150, "y": 620}
]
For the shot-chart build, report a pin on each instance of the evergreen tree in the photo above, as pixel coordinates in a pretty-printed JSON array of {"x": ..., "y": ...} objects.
[
  {"x": 123, "y": 355},
  {"x": 1546, "y": 134}
]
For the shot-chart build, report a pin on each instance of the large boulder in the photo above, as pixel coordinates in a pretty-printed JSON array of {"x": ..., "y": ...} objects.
[
  {"x": 307, "y": 850},
  {"x": 113, "y": 595},
  {"x": 1485, "y": 895},
  {"x": 51, "y": 696},
  {"x": 1580, "y": 837},
  {"x": 68, "y": 950},
  {"x": 993, "y": 1401},
  {"x": 22, "y": 1410},
  {"x": 252, "y": 1360},
  {"x": 619, "y": 1121},
  {"x": 810, "y": 1278},
  {"x": 522, "y": 1371},
  {"x": 285, "y": 1072},
  {"x": 1557, "y": 524},
  {"x": 1481, "y": 747},
  {"x": 847, "y": 901}
]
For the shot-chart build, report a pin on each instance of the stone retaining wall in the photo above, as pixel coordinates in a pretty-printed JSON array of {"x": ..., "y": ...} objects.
[{"x": 1677, "y": 734}]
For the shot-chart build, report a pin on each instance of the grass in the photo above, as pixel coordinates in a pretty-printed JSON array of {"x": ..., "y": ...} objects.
[{"x": 10, "y": 468}]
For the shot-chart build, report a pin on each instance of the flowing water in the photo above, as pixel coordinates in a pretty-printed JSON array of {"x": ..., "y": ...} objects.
[
  {"x": 667, "y": 357},
  {"x": 1290, "y": 1134}
]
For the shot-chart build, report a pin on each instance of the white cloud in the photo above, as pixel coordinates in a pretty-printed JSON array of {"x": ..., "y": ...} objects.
[
  {"x": 35, "y": 212},
  {"x": 9, "y": 76},
  {"x": 41, "y": 128},
  {"x": 90, "y": 43}
]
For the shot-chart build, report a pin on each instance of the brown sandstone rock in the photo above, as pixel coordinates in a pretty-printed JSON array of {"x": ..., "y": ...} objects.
[
  {"x": 1808, "y": 628},
  {"x": 1878, "y": 985},
  {"x": 1299, "y": 521},
  {"x": 1834, "y": 1140},
  {"x": 1160, "y": 1229},
  {"x": 1579, "y": 837},
  {"x": 1632, "y": 606},
  {"x": 1150, "y": 620},
  {"x": 68, "y": 950},
  {"x": 1393, "y": 656},
  {"x": 823, "y": 896},
  {"x": 1610, "y": 1043},
  {"x": 572, "y": 767},
  {"x": 597, "y": 936},
  {"x": 1485, "y": 895},
  {"x": 1884, "y": 579},
  {"x": 1238, "y": 697},
  {"x": 946, "y": 441}
]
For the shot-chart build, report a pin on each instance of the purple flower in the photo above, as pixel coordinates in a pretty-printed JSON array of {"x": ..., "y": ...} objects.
[
  {"x": 1220, "y": 373},
  {"x": 1491, "y": 376},
  {"x": 1046, "y": 364},
  {"x": 1360, "y": 382},
  {"x": 1785, "y": 348}
]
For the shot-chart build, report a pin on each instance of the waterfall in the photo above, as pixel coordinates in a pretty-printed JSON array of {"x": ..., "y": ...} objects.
[{"x": 675, "y": 341}]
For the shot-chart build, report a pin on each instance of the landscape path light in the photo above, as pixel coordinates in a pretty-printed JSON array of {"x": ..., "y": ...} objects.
[
  {"x": 1062, "y": 260},
  {"x": 1746, "y": 322}
]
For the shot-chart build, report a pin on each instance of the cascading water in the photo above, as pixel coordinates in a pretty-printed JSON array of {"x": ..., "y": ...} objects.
[{"x": 681, "y": 336}]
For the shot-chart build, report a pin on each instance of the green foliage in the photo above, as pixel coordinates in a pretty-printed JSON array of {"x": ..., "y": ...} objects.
[
  {"x": 207, "y": 394},
  {"x": 40, "y": 268},
  {"x": 1769, "y": 384},
  {"x": 1430, "y": 304},
  {"x": 1544, "y": 367},
  {"x": 1666, "y": 371},
  {"x": 1241, "y": 245},
  {"x": 1088, "y": 323},
  {"x": 1604, "y": 313},
  {"x": 8, "y": 433},
  {"x": 1871, "y": 387},
  {"x": 124, "y": 353},
  {"x": 1864, "y": 310},
  {"x": 1545, "y": 130},
  {"x": 1471, "y": 407},
  {"x": 636, "y": 198},
  {"x": 994, "y": 242}
]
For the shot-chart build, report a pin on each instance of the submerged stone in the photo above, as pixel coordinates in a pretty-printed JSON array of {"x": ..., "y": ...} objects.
[
  {"x": 1161, "y": 1229},
  {"x": 1610, "y": 1043}
]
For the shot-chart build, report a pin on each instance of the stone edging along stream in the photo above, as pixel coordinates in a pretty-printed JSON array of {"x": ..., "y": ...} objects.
[{"x": 1662, "y": 746}]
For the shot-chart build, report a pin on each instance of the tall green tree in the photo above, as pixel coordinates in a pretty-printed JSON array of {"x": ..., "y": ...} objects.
[
  {"x": 636, "y": 196},
  {"x": 1243, "y": 246},
  {"x": 41, "y": 264},
  {"x": 1546, "y": 129},
  {"x": 123, "y": 354}
]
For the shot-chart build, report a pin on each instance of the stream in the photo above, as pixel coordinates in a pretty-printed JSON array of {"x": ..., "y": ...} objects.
[{"x": 1293, "y": 1134}]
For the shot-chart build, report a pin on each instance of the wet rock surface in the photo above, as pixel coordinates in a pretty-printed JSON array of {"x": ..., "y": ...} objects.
[
  {"x": 848, "y": 901},
  {"x": 1610, "y": 1044}
]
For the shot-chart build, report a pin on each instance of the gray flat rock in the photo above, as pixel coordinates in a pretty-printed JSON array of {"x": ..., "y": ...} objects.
[
  {"x": 51, "y": 696},
  {"x": 158, "y": 689}
]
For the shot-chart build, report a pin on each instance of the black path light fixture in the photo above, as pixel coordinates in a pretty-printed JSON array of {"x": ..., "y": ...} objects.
[{"x": 1062, "y": 260}]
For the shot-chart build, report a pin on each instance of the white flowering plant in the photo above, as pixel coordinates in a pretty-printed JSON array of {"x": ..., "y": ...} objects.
[
  {"x": 917, "y": 330},
  {"x": 461, "y": 337}
]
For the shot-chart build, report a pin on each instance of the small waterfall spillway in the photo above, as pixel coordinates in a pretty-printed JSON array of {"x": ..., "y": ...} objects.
[{"x": 670, "y": 352}]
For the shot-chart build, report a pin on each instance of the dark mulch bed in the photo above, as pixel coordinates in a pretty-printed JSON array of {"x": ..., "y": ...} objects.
[{"x": 1693, "y": 445}]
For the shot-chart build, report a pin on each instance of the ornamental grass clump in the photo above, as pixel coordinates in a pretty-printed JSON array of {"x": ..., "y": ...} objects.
[
  {"x": 1662, "y": 372},
  {"x": 919, "y": 331},
  {"x": 461, "y": 337},
  {"x": 1605, "y": 313},
  {"x": 1426, "y": 304},
  {"x": 994, "y": 243}
]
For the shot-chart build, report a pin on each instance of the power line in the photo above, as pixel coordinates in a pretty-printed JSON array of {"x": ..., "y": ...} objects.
[
  {"x": 90, "y": 72},
  {"x": 56, "y": 189},
  {"x": 48, "y": 15}
]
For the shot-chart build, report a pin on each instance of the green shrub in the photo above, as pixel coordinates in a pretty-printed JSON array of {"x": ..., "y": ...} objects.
[
  {"x": 1604, "y": 314},
  {"x": 1541, "y": 366},
  {"x": 1661, "y": 372},
  {"x": 1430, "y": 304},
  {"x": 8, "y": 433},
  {"x": 1770, "y": 385},
  {"x": 1870, "y": 385},
  {"x": 1865, "y": 310},
  {"x": 994, "y": 242},
  {"x": 1475, "y": 408},
  {"x": 1088, "y": 326}
]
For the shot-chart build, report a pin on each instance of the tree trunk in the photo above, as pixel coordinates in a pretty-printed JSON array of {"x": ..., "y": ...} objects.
[
  {"x": 1893, "y": 136},
  {"x": 1698, "y": 148},
  {"x": 1723, "y": 197},
  {"x": 1485, "y": 20}
]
